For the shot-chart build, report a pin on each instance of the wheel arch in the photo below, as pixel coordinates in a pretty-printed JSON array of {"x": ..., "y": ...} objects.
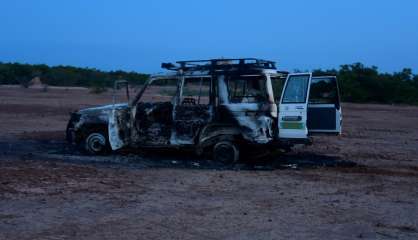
[
  {"x": 87, "y": 128},
  {"x": 213, "y": 133}
]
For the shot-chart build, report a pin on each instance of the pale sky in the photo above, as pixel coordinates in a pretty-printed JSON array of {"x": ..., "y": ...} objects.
[{"x": 139, "y": 35}]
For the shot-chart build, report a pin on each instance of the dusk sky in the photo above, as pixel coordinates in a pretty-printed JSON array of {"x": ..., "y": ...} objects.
[{"x": 139, "y": 35}]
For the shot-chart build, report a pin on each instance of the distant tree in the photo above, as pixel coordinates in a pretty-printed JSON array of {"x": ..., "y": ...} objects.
[{"x": 358, "y": 83}]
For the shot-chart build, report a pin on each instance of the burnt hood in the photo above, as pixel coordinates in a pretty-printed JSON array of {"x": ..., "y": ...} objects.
[{"x": 104, "y": 108}]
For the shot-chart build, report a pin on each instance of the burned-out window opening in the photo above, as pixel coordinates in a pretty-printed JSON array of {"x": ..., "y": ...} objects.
[
  {"x": 160, "y": 90},
  {"x": 196, "y": 91},
  {"x": 247, "y": 89},
  {"x": 277, "y": 84}
]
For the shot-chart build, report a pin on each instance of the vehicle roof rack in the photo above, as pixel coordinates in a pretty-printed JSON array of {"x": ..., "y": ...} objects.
[{"x": 222, "y": 64}]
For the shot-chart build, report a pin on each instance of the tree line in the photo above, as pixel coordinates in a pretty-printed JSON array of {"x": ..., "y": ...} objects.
[
  {"x": 358, "y": 83},
  {"x": 16, "y": 73}
]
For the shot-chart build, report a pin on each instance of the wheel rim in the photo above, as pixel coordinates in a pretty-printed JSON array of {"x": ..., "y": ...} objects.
[
  {"x": 96, "y": 142},
  {"x": 225, "y": 153}
]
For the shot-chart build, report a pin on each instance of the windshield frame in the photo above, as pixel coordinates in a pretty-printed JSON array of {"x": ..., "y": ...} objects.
[{"x": 266, "y": 88}]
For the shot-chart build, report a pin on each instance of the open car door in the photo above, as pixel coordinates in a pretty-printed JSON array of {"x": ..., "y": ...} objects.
[
  {"x": 293, "y": 108},
  {"x": 118, "y": 128},
  {"x": 119, "y": 120},
  {"x": 324, "y": 109}
]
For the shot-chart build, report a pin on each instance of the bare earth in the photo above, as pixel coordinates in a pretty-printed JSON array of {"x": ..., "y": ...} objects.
[{"x": 363, "y": 184}]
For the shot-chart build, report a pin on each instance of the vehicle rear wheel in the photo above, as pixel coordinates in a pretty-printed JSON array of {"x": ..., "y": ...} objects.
[
  {"x": 226, "y": 152},
  {"x": 96, "y": 143}
]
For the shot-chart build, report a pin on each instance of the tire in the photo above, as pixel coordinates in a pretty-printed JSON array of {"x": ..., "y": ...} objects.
[
  {"x": 226, "y": 152},
  {"x": 96, "y": 143}
]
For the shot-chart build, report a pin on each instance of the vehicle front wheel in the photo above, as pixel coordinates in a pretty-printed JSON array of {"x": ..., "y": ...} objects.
[
  {"x": 226, "y": 152},
  {"x": 96, "y": 143}
]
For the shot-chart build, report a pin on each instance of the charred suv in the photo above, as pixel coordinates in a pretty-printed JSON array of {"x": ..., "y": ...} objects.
[{"x": 225, "y": 107}]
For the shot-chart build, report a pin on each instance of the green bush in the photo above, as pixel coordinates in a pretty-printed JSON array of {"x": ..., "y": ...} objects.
[{"x": 359, "y": 83}]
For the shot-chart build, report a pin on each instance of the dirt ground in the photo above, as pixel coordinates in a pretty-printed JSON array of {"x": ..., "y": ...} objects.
[{"x": 363, "y": 184}]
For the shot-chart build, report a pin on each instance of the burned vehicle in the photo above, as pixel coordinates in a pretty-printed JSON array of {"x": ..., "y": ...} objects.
[{"x": 221, "y": 106}]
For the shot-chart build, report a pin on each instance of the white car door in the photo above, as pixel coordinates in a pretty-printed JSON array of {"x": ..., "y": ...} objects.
[
  {"x": 324, "y": 107},
  {"x": 293, "y": 108}
]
